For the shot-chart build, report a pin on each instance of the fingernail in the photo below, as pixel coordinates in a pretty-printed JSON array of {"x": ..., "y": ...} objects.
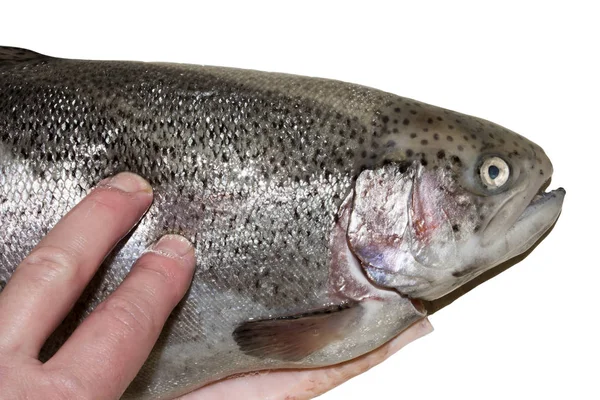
[
  {"x": 173, "y": 246},
  {"x": 128, "y": 182}
]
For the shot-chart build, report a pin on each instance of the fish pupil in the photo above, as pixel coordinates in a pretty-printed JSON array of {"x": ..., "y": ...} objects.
[{"x": 493, "y": 171}]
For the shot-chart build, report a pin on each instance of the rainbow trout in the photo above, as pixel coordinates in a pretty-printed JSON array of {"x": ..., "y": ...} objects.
[{"x": 323, "y": 213}]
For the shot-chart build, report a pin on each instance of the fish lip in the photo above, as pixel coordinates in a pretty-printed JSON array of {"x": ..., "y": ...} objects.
[
  {"x": 542, "y": 198},
  {"x": 538, "y": 217},
  {"x": 545, "y": 186},
  {"x": 536, "y": 198}
]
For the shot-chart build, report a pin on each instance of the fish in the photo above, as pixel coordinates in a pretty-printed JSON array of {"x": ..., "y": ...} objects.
[{"x": 324, "y": 214}]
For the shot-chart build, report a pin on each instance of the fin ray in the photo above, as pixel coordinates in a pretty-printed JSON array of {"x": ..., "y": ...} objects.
[{"x": 293, "y": 338}]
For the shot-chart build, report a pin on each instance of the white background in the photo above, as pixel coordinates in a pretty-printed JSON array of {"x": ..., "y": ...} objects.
[{"x": 530, "y": 333}]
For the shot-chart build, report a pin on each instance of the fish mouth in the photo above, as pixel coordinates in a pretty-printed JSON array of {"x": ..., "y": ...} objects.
[
  {"x": 540, "y": 215},
  {"x": 541, "y": 198}
]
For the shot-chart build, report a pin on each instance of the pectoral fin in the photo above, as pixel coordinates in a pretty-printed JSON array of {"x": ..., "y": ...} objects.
[{"x": 293, "y": 338}]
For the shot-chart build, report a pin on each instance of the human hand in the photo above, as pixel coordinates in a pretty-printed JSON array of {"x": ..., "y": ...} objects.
[{"x": 107, "y": 350}]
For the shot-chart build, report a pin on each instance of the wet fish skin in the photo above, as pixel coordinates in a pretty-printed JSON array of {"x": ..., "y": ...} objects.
[
  {"x": 221, "y": 177},
  {"x": 259, "y": 171}
]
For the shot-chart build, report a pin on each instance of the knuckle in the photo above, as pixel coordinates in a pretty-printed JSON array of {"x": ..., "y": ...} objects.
[
  {"x": 107, "y": 201},
  {"x": 48, "y": 263},
  {"x": 129, "y": 312},
  {"x": 157, "y": 269},
  {"x": 69, "y": 386},
  {"x": 34, "y": 383},
  {"x": 164, "y": 275}
]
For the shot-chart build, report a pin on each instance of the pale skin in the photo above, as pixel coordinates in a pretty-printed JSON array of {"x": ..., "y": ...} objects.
[{"x": 107, "y": 350}]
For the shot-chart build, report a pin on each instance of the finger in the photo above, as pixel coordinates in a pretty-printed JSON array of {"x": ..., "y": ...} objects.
[
  {"x": 47, "y": 283},
  {"x": 108, "y": 349},
  {"x": 308, "y": 383}
]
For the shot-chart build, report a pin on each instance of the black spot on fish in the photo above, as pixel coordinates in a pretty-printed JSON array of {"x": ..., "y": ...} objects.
[
  {"x": 406, "y": 121},
  {"x": 486, "y": 146},
  {"x": 413, "y": 135},
  {"x": 385, "y": 119},
  {"x": 456, "y": 160},
  {"x": 413, "y": 112},
  {"x": 409, "y": 153},
  {"x": 441, "y": 154},
  {"x": 397, "y": 109},
  {"x": 429, "y": 121},
  {"x": 450, "y": 127},
  {"x": 449, "y": 138},
  {"x": 455, "y": 228},
  {"x": 436, "y": 136},
  {"x": 424, "y": 142},
  {"x": 403, "y": 167}
]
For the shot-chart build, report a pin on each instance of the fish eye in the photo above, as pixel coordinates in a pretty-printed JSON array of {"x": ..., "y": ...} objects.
[{"x": 494, "y": 172}]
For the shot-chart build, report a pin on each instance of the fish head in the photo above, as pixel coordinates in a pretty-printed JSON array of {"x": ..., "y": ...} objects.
[{"x": 443, "y": 207}]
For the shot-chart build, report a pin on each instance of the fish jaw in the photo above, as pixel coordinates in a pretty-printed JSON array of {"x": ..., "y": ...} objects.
[{"x": 539, "y": 216}]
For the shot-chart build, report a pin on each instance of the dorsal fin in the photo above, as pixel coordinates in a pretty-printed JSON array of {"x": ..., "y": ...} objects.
[{"x": 14, "y": 55}]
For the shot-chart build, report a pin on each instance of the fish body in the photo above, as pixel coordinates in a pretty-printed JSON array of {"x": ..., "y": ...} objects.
[{"x": 322, "y": 212}]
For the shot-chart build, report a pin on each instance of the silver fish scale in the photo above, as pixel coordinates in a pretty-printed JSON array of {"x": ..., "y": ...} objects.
[{"x": 252, "y": 167}]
